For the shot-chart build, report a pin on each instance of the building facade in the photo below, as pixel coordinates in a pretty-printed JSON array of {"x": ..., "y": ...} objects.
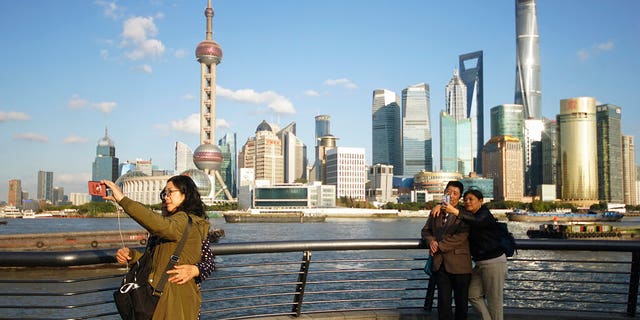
[
  {"x": 455, "y": 141},
  {"x": 380, "y": 188},
  {"x": 629, "y": 171},
  {"x": 507, "y": 120},
  {"x": 229, "y": 167},
  {"x": 14, "y": 198},
  {"x": 346, "y": 169},
  {"x": 184, "y": 157},
  {"x": 45, "y": 186},
  {"x": 386, "y": 142},
  {"x": 434, "y": 182},
  {"x": 263, "y": 153},
  {"x": 528, "y": 91},
  {"x": 609, "y": 144},
  {"x": 502, "y": 161},
  {"x": 416, "y": 130},
  {"x": 577, "y": 150},
  {"x": 471, "y": 72},
  {"x": 105, "y": 165}
]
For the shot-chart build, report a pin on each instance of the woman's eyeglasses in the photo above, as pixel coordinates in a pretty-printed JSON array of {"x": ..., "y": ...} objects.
[{"x": 166, "y": 193}]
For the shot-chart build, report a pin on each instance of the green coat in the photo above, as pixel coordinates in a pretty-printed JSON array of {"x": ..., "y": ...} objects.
[{"x": 177, "y": 301}]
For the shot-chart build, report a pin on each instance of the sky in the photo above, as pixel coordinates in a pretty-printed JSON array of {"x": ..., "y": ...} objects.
[{"x": 69, "y": 69}]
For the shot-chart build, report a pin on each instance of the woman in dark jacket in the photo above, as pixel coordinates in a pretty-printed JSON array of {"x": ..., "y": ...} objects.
[{"x": 487, "y": 280}]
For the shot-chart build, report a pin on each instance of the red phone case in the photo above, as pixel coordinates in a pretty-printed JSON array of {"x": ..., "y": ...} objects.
[{"x": 97, "y": 189}]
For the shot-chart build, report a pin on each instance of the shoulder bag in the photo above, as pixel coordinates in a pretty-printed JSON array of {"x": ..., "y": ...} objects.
[{"x": 136, "y": 298}]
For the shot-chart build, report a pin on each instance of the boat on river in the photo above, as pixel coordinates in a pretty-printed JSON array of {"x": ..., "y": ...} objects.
[
  {"x": 582, "y": 231},
  {"x": 526, "y": 216},
  {"x": 262, "y": 216}
]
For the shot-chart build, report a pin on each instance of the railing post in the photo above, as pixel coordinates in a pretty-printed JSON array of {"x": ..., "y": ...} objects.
[
  {"x": 302, "y": 283},
  {"x": 632, "y": 301}
]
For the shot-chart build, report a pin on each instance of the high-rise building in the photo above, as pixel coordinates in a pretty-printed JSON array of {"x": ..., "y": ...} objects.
[
  {"x": 416, "y": 130},
  {"x": 577, "y": 151},
  {"x": 323, "y": 126},
  {"x": 346, "y": 169},
  {"x": 528, "y": 90},
  {"x": 386, "y": 142},
  {"x": 105, "y": 165},
  {"x": 381, "y": 184},
  {"x": 58, "y": 195},
  {"x": 456, "y": 138},
  {"x": 184, "y": 158},
  {"x": 533, "y": 129},
  {"x": 609, "y": 144},
  {"x": 263, "y": 152},
  {"x": 45, "y": 186},
  {"x": 294, "y": 152},
  {"x": 507, "y": 120},
  {"x": 229, "y": 168},
  {"x": 549, "y": 152},
  {"x": 503, "y": 163},
  {"x": 629, "y": 171},
  {"x": 471, "y": 73},
  {"x": 14, "y": 198},
  {"x": 323, "y": 129}
]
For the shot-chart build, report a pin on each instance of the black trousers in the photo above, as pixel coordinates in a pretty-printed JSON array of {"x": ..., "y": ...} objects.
[{"x": 449, "y": 283}]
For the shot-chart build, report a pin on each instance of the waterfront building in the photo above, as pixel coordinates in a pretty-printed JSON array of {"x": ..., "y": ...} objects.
[
  {"x": 294, "y": 153},
  {"x": 549, "y": 153},
  {"x": 416, "y": 130},
  {"x": 386, "y": 142},
  {"x": 507, "y": 120},
  {"x": 142, "y": 188},
  {"x": 609, "y": 144},
  {"x": 434, "y": 182},
  {"x": 294, "y": 196},
  {"x": 58, "y": 195},
  {"x": 577, "y": 151},
  {"x": 502, "y": 161},
  {"x": 629, "y": 170},
  {"x": 323, "y": 128},
  {"x": 263, "y": 152},
  {"x": 484, "y": 185},
  {"x": 471, "y": 73},
  {"x": 45, "y": 186},
  {"x": 14, "y": 198},
  {"x": 533, "y": 129},
  {"x": 144, "y": 166},
  {"x": 528, "y": 91},
  {"x": 184, "y": 157},
  {"x": 380, "y": 189},
  {"x": 455, "y": 141},
  {"x": 126, "y": 167},
  {"x": 78, "y": 199},
  {"x": 346, "y": 169},
  {"x": 229, "y": 167},
  {"x": 105, "y": 165},
  {"x": 319, "y": 171}
]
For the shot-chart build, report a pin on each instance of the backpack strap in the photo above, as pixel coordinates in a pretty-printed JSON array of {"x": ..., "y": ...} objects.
[{"x": 173, "y": 261}]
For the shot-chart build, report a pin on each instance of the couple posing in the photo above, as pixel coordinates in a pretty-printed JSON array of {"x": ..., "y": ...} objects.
[{"x": 455, "y": 232}]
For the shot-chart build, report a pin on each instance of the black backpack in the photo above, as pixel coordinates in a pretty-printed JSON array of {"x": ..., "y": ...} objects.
[{"x": 507, "y": 241}]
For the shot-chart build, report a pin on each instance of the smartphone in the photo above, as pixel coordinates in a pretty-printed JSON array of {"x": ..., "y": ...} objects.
[
  {"x": 97, "y": 189},
  {"x": 446, "y": 199}
]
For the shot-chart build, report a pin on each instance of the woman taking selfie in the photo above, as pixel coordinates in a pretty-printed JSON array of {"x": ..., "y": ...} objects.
[{"x": 178, "y": 301}]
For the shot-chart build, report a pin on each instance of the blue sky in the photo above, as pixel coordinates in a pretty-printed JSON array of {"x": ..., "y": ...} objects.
[{"x": 68, "y": 69}]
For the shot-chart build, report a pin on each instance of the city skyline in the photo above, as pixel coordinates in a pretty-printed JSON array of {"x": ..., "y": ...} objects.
[{"x": 130, "y": 67}]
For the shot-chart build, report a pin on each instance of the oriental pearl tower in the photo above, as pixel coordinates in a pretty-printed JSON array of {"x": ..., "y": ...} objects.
[{"x": 208, "y": 157}]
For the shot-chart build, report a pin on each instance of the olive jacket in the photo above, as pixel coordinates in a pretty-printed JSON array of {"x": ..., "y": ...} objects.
[{"x": 177, "y": 301}]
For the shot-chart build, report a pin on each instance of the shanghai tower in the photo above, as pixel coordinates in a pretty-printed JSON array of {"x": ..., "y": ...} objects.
[{"x": 528, "y": 90}]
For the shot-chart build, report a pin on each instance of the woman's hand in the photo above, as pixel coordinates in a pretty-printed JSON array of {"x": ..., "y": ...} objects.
[
  {"x": 180, "y": 274},
  {"x": 122, "y": 255},
  {"x": 116, "y": 193},
  {"x": 451, "y": 209},
  {"x": 433, "y": 246},
  {"x": 436, "y": 211}
]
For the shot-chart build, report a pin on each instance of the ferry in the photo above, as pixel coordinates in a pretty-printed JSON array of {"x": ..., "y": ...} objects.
[
  {"x": 525, "y": 216},
  {"x": 583, "y": 231},
  {"x": 10, "y": 212}
]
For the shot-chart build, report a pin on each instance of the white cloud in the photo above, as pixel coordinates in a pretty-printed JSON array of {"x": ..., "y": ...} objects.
[
  {"x": 222, "y": 124},
  {"x": 13, "y": 115},
  {"x": 105, "y": 107},
  {"x": 189, "y": 125},
  {"x": 104, "y": 54},
  {"x": 110, "y": 9},
  {"x": 188, "y": 96},
  {"x": 344, "y": 82},
  {"x": 276, "y": 102},
  {"x": 143, "y": 68},
  {"x": 76, "y": 102},
  {"x": 29, "y": 136},
  {"x": 311, "y": 93},
  {"x": 596, "y": 49},
  {"x": 139, "y": 32},
  {"x": 181, "y": 53},
  {"x": 74, "y": 140}
]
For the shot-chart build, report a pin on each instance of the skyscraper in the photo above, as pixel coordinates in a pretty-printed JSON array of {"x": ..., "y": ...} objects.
[
  {"x": 503, "y": 163},
  {"x": 629, "y": 171},
  {"x": 609, "y": 132},
  {"x": 263, "y": 153},
  {"x": 323, "y": 126},
  {"x": 528, "y": 90},
  {"x": 15, "y": 193},
  {"x": 105, "y": 165},
  {"x": 323, "y": 129},
  {"x": 45, "y": 186},
  {"x": 184, "y": 158},
  {"x": 471, "y": 73},
  {"x": 416, "y": 130},
  {"x": 507, "y": 119},
  {"x": 456, "y": 139},
  {"x": 294, "y": 152},
  {"x": 386, "y": 142},
  {"x": 549, "y": 152},
  {"x": 577, "y": 150},
  {"x": 346, "y": 169},
  {"x": 229, "y": 168}
]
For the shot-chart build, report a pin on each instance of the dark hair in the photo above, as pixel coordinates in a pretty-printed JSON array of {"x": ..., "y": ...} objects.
[
  {"x": 455, "y": 184},
  {"x": 474, "y": 192},
  {"x": 192, "y": 203}
]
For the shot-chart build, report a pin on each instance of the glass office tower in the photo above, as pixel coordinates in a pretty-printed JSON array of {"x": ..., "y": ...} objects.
[
  {"x": 416, "y": 130},
  {"x": 471, "y": 73},
  {"x": 528, "y": 89},
  {"x": 609, "y": 130},
  {"x": 386, "y": 143}
]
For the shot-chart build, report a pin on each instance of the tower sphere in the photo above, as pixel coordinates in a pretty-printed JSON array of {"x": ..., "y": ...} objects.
[
  {"x": 201, "y": 180},
  {"x": 209, "y": 52},
  {"x": 207, "y": 157}
]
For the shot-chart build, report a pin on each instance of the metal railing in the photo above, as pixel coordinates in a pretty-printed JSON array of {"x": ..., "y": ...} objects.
[{"x": 294, "y": 278}]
